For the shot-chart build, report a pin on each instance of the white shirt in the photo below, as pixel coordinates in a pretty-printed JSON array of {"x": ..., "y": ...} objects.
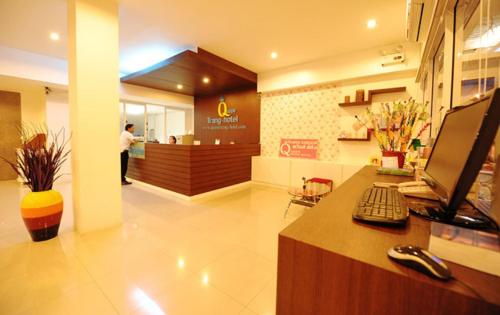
[{"x": 126, "y": 139}]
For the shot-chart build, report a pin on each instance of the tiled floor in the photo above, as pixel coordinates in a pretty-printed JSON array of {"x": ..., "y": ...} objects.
[{"x": 215, "y": 256}]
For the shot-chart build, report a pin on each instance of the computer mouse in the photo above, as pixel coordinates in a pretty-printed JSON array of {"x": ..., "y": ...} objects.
[{"x": 420, "y": 260}]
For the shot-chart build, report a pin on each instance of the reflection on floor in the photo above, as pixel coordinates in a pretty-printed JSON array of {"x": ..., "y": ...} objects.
[{"x": 170, "y": 257}]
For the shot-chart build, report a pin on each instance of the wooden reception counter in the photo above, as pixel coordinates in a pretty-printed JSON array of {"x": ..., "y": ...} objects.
[
  {"x": 329, "y": 264},
  {"x": 194, "y": 169}
]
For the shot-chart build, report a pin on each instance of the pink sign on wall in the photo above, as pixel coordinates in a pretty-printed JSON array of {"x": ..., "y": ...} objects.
[{"x": 299, "y": 148}]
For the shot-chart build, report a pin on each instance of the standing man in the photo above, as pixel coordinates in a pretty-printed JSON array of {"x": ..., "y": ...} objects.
[{"x": 126, "y": 139}]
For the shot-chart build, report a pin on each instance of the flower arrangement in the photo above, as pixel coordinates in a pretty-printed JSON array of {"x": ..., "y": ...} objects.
[
  {"x": 394, "y": 125},
  {"x": 37, "y": 162}
]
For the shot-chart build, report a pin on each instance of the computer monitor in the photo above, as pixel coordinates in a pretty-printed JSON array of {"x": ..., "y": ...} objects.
[{"x": 461, "y": 147}]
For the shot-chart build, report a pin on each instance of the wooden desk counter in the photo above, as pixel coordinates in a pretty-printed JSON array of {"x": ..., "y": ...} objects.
[
  {"x": 330, "y": 264},
  {"x": 194, "y": 169}
]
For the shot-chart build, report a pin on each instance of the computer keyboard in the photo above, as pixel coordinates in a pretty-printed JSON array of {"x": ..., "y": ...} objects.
[{"x": 382, "y": 205}]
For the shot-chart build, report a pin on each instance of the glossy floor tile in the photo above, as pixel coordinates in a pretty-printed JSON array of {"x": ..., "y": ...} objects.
[{"x": 215, "y": 256}]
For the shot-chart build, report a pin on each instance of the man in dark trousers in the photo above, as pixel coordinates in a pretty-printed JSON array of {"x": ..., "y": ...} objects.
[{"x": 126, "y": 139}]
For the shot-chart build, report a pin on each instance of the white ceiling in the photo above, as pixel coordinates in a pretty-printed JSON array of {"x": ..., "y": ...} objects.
[{"x": 244, "y": 32}]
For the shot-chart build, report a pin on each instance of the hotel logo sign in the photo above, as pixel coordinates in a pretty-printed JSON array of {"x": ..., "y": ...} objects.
[
  {"x": 227, "y": 117},
  {"x": 222, "y": 108}
]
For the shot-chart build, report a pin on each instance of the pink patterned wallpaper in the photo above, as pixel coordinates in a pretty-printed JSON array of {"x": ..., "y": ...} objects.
[{"x": 302, "y": 113}]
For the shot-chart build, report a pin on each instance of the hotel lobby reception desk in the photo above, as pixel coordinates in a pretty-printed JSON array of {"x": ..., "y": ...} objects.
[
  {"x": 194, "y": 169},
  {"x": 329, "y": 264}
]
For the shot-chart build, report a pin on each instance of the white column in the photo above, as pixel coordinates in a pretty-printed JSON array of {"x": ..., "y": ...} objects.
[{"x": 94, "y": 113}]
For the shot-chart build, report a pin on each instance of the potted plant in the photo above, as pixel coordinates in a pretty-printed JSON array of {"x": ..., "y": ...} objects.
[
  {"x": 393, "y": 127},
  {"x": 39, "y": 164}
]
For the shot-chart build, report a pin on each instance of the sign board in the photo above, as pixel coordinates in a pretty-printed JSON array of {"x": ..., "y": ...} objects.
[
  {"x": 137, "y": 150},
  {"x": 299, "y": 148},
  {"x": 227, "y": 118}
]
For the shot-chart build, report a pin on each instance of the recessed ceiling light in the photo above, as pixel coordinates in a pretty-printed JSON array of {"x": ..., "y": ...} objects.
[
  {"x": 179, "y": 86},
  {"x": 206, "y": 80},
  {"x": 371, "y": 23},
  {"x": 274, "y": 55},
  {"x": 205, "y": 279},
  {"x": 54, "y": 36}
]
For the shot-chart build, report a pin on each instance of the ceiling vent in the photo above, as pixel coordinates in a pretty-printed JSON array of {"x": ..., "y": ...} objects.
[
  {"x": 414, "y": 13},
  {"x": 393, "y": 59}
]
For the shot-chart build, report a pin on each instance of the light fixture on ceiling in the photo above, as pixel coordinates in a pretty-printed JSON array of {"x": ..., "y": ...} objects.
[
  {"x": 205, "y": 279},
  {"x": 371, "y": 23},
  {"x": 206, "y": 80},
  {"x": 180, "y": 86},
  {"x": 274, "y": 55},
  {"x": 54, "y": 36},
  {"x": 181, "y": 263}
]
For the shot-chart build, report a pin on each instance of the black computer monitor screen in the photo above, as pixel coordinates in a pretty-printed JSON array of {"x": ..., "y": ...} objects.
[{"x": 452, "y": 148}]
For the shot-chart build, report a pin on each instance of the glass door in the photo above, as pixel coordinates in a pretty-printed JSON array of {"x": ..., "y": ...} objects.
[
  {"x": 135, "y": 114},
  {"x": 155, "y": 125},
  {"x": 176, "y": 122}
]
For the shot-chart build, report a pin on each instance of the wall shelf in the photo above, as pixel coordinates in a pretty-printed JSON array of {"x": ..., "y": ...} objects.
[
  {"x": 368, "y": 135},
  {"x": 373, "y": 92},
  {"x": 354, "y": 139}
]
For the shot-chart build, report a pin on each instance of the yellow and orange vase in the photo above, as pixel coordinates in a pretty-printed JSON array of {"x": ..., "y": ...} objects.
[{"x": 42, "y": 212}]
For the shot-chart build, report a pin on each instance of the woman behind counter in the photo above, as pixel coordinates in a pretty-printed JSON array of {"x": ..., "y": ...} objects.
[{"x": 172, "y": 140}]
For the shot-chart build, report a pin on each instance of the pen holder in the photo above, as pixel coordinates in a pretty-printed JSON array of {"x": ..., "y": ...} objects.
[{"x": 393, "y": 158}]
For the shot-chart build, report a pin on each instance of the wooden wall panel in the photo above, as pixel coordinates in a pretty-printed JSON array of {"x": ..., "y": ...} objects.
[
  {"x": 247, "y": 105},
  {"x": 192, "y": 170},
  {"x": 10, "y": 121}
]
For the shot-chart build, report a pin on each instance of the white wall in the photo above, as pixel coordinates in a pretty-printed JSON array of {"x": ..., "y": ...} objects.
[
  {"x": 32, "y": 98},
  {"x": 58, "y": 118},
  {"x": 337, "y": 68},
  {"x": 286, "y": 172},
  {"x": 26, "y": 65}
]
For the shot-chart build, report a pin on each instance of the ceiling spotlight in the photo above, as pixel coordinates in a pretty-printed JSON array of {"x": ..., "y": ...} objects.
[
  {"x": 371, "y": 23},
  {"x": 54, "y": 36},
  {"x": 274, "y": 55},
  {"x": 179, "y": 86},
  {"x": 206, "y": 80}
]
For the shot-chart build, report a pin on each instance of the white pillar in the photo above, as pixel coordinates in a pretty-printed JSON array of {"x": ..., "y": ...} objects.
[{"x": 94, "y": 113}]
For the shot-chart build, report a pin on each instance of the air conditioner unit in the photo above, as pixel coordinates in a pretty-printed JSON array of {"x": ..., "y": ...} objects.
[
  {"x": 414, "y": 13},
  {"x": 393, "y": 59}
]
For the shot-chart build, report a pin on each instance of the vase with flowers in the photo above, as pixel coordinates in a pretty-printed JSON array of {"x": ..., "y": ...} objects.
[
  {"x": 38, "y": 163},
  {"x": 394, "y": 125}
]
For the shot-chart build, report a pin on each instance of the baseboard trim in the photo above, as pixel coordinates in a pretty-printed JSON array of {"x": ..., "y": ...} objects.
[
  {"x": 204, "y": 196},
  {"x": 264, "y": 184}
]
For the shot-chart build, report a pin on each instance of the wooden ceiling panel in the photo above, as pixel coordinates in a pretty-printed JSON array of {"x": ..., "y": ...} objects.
[{"x": 189, "y": 68}]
